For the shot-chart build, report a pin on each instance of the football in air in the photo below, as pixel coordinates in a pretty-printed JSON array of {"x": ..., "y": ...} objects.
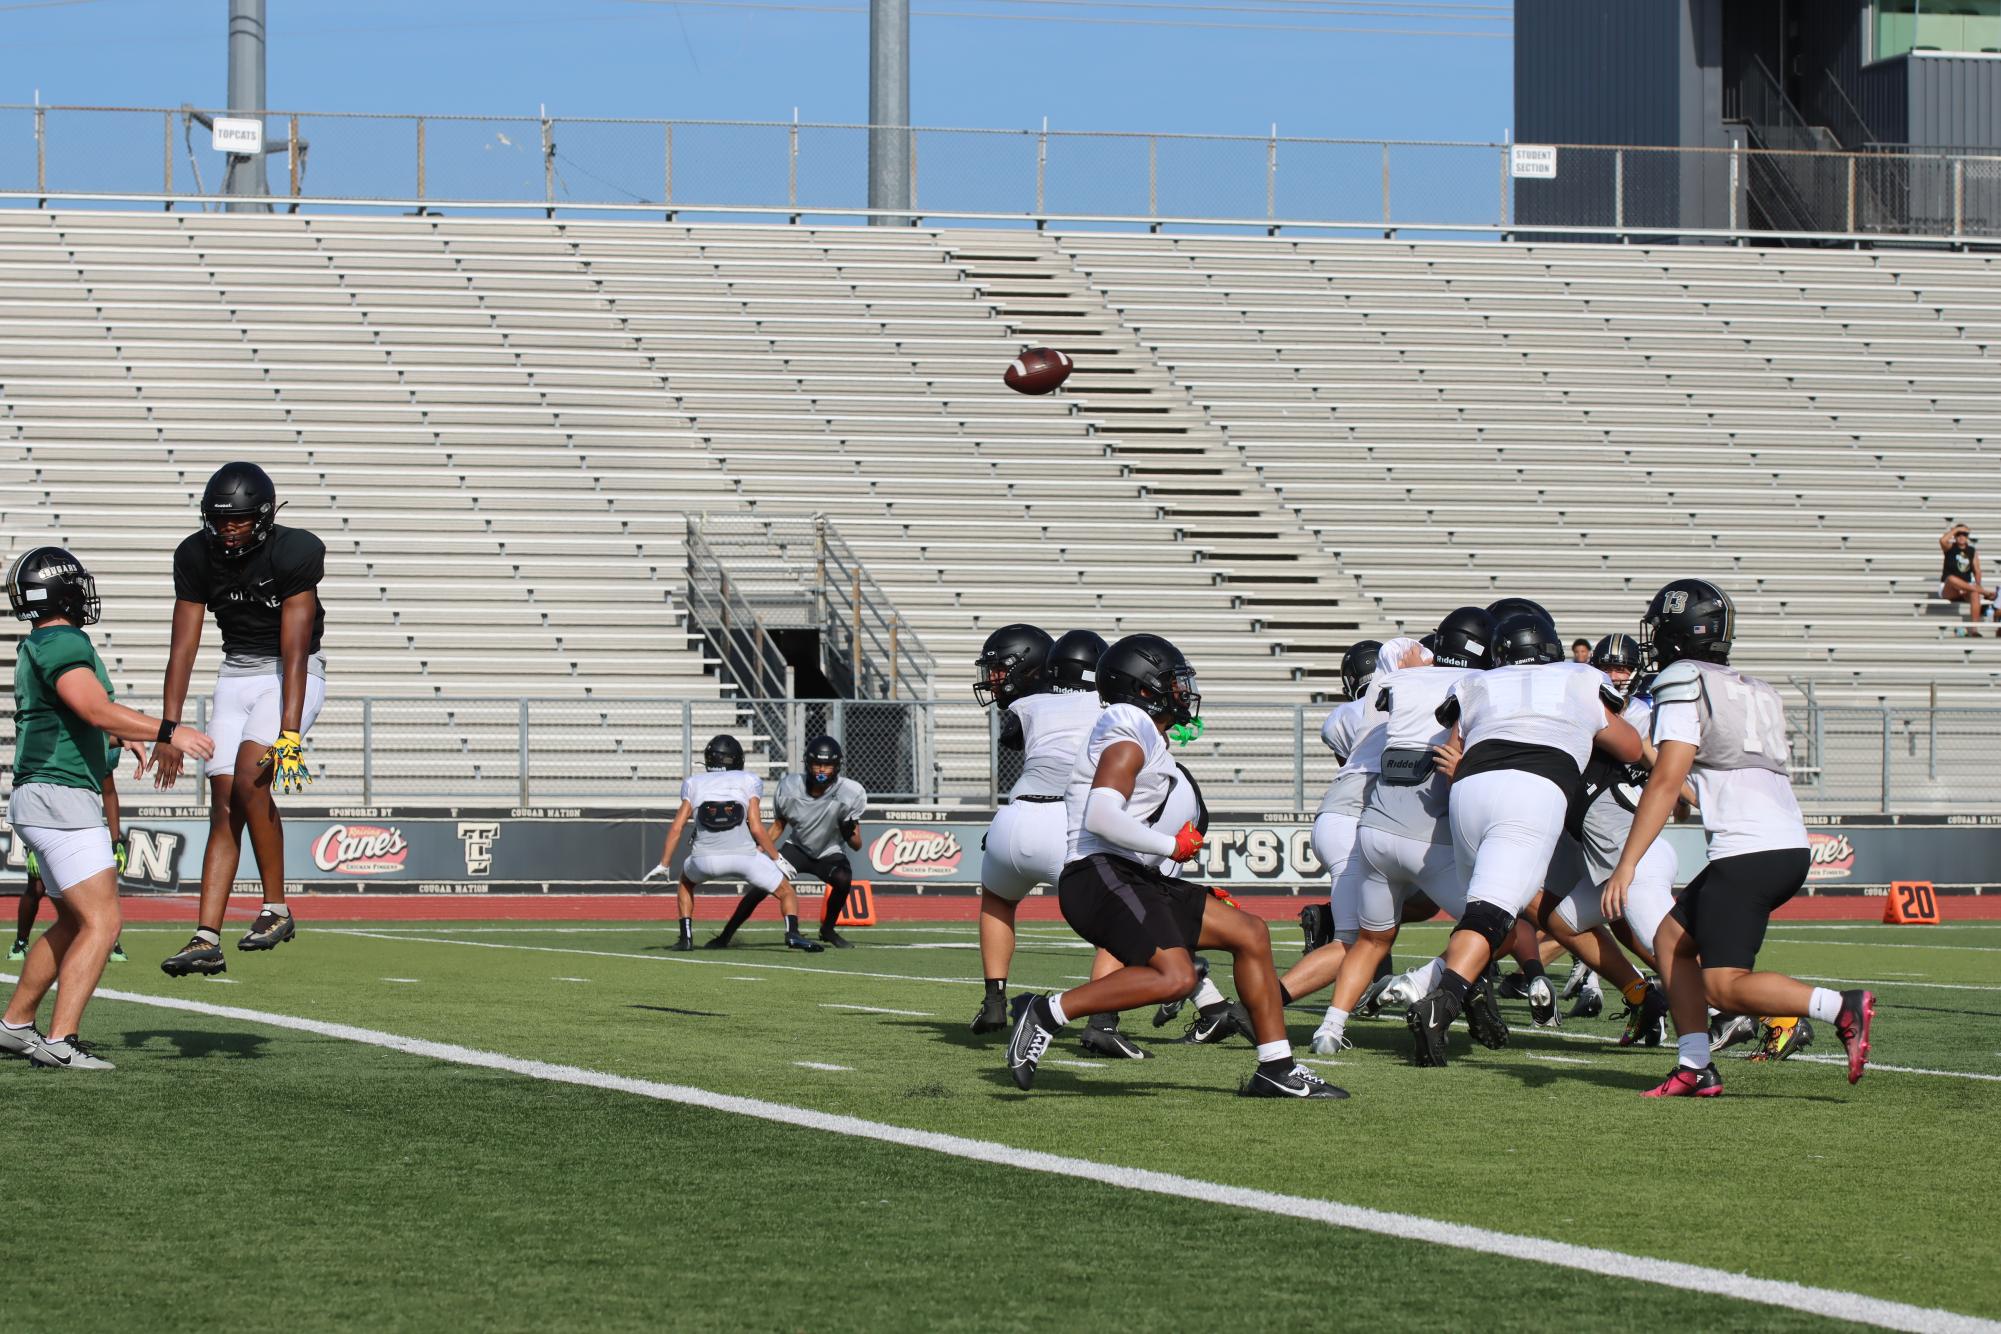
[{"x": 1038, "y": 370}]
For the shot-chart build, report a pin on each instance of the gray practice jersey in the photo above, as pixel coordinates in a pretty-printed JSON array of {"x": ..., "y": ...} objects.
[
  {"x": 1053, "y": 727},
  {"x": 1410, "y": 700},
  {"x": 721, "y": 798},
  {"x": 1354, "y": 731},
  {"x": 814, "y": 823},
  {"x": 1737, "y": 725}
]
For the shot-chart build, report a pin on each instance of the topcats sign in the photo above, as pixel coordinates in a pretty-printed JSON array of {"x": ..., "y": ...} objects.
[
  {"x": 916, "y": 854},
  {"x": 237, "y": 134},
  {"x": 360, "y": 849}
]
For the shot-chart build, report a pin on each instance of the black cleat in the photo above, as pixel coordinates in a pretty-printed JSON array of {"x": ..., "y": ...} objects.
[
  {"x": 1111, "y": 1042},
  {"x": 1316, "y": 925},
  {"x": 717, "y": 943},
  {"x": 1542, "y": 1003},
  {"x": 1646, "y": 1023},
  {"x": 1371, "y": 1003},
  {"x": 118, "y": 950},
  {"x": 197, "y": 956},
  {"x": 1164, "y": 1014},
  {"x": 1429, "y": 1020},
  {"x": 1298, "y": 1082},
  {"x": 992, "y": 1016},
  {"x": 1034, "y": 1029},
  {"x": 834, "y": 939},
  {"x": 683, "y": 945},
  {"x": 1225, "y": 1022},
  {"x": 268, "y": 932},
  {"x": 1515, "y": 986},
  {"x": 1590, "y": 1003},
  {"x": 795, "y": 941},
  {"x": 1483, "y": 1017}
]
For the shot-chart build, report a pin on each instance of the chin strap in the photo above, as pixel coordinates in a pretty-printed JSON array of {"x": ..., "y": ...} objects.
[{"x": 1182, "y": 734}]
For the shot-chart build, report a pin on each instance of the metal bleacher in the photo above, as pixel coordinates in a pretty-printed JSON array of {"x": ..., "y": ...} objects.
[{"x": 1269, "y": 447}]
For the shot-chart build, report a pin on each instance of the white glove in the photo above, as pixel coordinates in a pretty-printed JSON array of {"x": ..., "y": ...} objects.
[
  {"x": 785, "y": 868},
  {"x": 656, "y": 872}
]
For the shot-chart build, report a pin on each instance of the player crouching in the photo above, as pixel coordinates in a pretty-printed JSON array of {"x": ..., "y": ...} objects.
[
  {"x": 730, "y": 844},
  {"x": 1114, "y": 894},
  {"x": 819, "y": 818}
]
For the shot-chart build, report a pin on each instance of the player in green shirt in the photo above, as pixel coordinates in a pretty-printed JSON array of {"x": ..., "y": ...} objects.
[{"x": 64, "y": 720}]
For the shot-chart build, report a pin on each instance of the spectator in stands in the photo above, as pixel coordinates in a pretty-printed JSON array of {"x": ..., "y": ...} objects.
[
  {"x": 1580, "y": 650},
  {"x": 1959, "y": 577}
]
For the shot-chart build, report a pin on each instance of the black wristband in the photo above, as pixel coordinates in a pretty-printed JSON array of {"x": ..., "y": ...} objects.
[{"x": 166, "y": 736}]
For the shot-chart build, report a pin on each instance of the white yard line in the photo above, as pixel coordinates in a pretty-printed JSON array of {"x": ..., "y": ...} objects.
[
  {"x": 1830, "y": 1302},
  {"x": 877, "y": 1009},
  {"x": 1078, "y": 1065},
  {"x": 1874, "y": 1068},
  {"x": 1561, "y": 1060},
  {"x": 401, "y": 979},
  {"x": 821, "y": 1065},
  {"x": 1882, "y": 945},
  {"x": 1896, "y": 982}
]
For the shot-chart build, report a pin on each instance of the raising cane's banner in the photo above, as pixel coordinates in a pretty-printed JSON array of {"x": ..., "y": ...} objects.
[{"x": 451, "y": 850}]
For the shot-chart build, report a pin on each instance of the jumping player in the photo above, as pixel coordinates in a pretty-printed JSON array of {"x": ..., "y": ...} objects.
[
  {"x": 1725, "y": 732},
  {"x": 64, "y": 720},
  {"x": 262, "y": 582},
  {"x": 1114, "y": 894},
  {"x": 730, "y": 844},
  {"x": 822, "y": 813}
]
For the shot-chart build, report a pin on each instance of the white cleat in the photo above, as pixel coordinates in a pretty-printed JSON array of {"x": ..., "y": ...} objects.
[
  {"x": 67, "y": 1054},
  {"x": 1579, "y": 975},
  {"x": 1329, "y": 1042},
  {"x": 1402, "y": 992}
]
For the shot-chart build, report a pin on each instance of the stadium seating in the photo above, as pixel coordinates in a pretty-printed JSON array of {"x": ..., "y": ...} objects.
[{"x": 1269, "y": 446}]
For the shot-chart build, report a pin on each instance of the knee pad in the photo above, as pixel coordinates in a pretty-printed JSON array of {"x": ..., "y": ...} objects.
[{"x": 1488, "y": 921}]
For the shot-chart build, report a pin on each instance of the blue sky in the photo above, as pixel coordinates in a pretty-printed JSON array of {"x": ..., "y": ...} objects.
[{"x": 642, "y": 59}]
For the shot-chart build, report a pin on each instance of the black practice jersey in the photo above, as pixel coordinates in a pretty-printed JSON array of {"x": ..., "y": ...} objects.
[{"x": 245, "y": 592}]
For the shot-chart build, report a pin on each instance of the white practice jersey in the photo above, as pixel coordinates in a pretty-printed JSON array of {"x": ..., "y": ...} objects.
[
  {"x": 1053, "y": 726},
  {"x": 1557, "y": 704},
  {"x": 721, "y": 798},
  {"x": 1157, "y": 777},
  {"x": 1184, "y": 806},
  {"x": 1737, "y": 725},
  {"x": 1410, "y": 700}
]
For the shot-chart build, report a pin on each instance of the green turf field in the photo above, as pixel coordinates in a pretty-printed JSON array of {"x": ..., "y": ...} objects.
[{"x": 237, "y": 1173}]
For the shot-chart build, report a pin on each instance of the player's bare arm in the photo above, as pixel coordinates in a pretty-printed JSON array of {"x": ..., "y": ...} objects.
[
  {"x": 186, "y": 641},
  {"x": 1657, "y": 803},
  {"x": 85, "y": 697}
]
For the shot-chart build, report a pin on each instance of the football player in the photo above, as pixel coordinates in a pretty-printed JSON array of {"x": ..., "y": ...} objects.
[
  {"x": 1725, "y": 732},
  {"x": 64, "y": 724},
  {"x": 1114, "y": 894},
  {"x": 1403, "y": 841},
  {"x": 730, "y": 844},
  {"x": 819, "y": 818},
  {"x": 1523, "y": 731},
  {"x": 34, "y": 891},
  {"x": 1046, "y": 710},
  {"x": 261, "y": 580}
]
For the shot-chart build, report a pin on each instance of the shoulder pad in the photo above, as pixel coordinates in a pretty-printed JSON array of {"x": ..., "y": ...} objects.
[
  {"x": 1447, "y": 712},
  {"x": 1383, "y": 700},
  {"x": 1678, "y": 683},
  {"x": 1609, "y": 696}
]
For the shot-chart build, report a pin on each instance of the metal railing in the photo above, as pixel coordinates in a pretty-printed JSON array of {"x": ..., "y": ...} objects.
[
  {"x": 540, "y": 166},
  {"x": 634, "y": 752}
]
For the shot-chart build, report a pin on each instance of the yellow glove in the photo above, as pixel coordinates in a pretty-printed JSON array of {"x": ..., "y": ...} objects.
[{"x": 287, "y": 761}]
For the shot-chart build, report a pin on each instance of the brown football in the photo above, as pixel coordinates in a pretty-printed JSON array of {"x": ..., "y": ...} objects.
[{"x": 1038, "y": 370}]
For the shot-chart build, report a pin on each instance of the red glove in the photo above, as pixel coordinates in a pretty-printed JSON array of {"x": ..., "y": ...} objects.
[
  {"x": 1217, "y": 891},
  {"x": 1187, "y": 842}
]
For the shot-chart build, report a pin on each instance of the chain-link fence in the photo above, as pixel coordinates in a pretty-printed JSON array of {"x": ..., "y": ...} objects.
[
  {"x": 634, "y": 752},
  {"x": 543, "y": 166}
]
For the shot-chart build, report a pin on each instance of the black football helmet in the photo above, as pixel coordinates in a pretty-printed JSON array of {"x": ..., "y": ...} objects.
[
  {"x": 820, "y": 750},
  {"x": 1073, "y": 662},
  {"x": 48, "y": 581},
  {"x": 1357, "y": 664},
  {"x": 1617, "y": 651},
  {"x": 723, "y": 752},
  {"x": 1150, "y": 674},
  {"x": 1011, "y": 664},
  {"x": 1465, "y": 639},
  {"x": 1690, "y": 618},
  {"x": 238, "y": 491},
  {"x": 1429, "y": 643},
  {"x": 1504, "y": 607},
  {"x": 1524, "y": 638}
]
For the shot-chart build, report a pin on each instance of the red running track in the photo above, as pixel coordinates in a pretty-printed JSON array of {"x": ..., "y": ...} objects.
[{"x": 889, "y": 908}]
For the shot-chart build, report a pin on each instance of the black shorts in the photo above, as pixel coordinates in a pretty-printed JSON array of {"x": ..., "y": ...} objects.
[
  {"x": 1129, "y": 910},
  {"x": 832, "y": 868},
  {"x": 1728, "y": 906}
]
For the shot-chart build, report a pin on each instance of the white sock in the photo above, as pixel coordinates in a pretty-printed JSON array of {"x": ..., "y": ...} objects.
[
  {"x": 1206, "y": 994},
  {"x": 1280, "y": 1050},
  {"x": 208, "y": 937},
  {"x": 1336, "y": 1022},
  {"x": 1056, "y": 1010},
  {"x": 278, "y": 909},
  {"x": 1825, "y": 1005},
  {"x": 1590, "y": 981},
  {"x": 1428, "y": 977},
  {"x": 18, "y": 1028},
  {"x": 1694, "y": 1049}
]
